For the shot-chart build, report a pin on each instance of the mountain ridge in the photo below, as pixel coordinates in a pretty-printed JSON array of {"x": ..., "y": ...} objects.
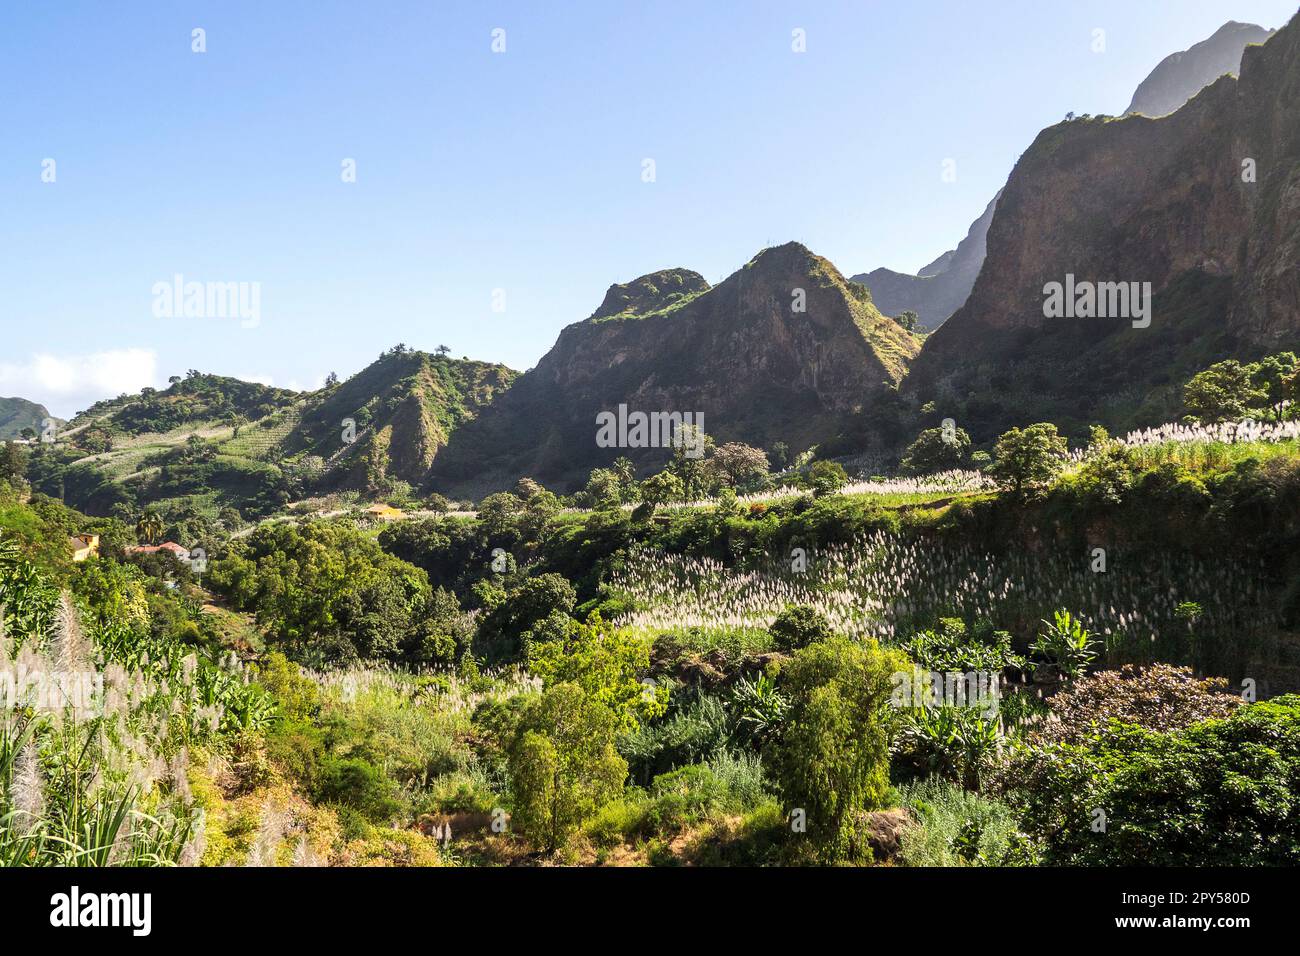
[
  {"x": 941, "y": 287},
  {"x": 1180, "y": 76},
  {"x": 738, "y": 353}
]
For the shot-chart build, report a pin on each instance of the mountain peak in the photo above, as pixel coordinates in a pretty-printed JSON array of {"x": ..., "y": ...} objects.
[
  {"x": 1180, "y": 76},
  {"x": 789, "y": 256},
  {"x": 649, "y": 293}
]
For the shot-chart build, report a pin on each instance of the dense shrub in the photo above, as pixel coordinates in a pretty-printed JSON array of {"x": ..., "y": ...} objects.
[
  {"x": 951, "y": 646},
  {"x": 955, "y": 827},
  {"x": 695, "y": 726},
  {"x": 325, "y": 585},
  {"x": 501, "y": 635},
  {"x": 360, "y": 785},
  {"x": 797, "y": 627},
  {"x": 1222, "y": 790},
  {"x": 958, "y": 744},
  {"x": 563, "y": 765},
  {"x": 1154, "y": 697},
  {"x": 832, "y": 759}
]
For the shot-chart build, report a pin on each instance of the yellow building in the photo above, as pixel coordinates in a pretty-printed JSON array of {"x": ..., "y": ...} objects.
[
  {"x": 84, "y": 546},
  {"x": 384, "y": 512}
]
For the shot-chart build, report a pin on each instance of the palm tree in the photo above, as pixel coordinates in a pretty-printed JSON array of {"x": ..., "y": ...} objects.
[{"x": 150, "y": 527}]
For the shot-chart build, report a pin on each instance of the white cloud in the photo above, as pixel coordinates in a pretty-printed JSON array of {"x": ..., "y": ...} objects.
[{"x": 66, "y": 384}]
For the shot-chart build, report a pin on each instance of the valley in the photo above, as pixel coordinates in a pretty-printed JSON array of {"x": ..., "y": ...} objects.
[{"x": 994, "y": 565}]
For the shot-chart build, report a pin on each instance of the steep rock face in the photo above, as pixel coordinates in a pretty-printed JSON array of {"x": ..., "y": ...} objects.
[
  {"x": 739, "y": 354},
  {"x": 1164, "y": 201},
  {"x": 1180, "y": 76},
  {"x": 939, "y": 289}
]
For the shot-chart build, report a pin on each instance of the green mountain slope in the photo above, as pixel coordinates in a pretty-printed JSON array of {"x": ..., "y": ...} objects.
[
  {"x": 403, "y": 407},
  {"x": 208, "y": 442}
]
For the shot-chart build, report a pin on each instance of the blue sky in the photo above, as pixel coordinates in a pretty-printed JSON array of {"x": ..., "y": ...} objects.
[{"x": 479, "y": 171}]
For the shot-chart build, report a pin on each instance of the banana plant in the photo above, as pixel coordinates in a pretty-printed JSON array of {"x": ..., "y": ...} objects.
[{"x": 1065, "y": 645}]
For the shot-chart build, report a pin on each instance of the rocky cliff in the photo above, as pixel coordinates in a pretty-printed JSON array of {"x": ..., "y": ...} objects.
[{"x": 1203, "y": 204}]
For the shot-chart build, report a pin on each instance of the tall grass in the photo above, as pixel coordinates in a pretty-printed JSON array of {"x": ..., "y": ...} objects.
[
  {"x": 954, "y": 827},
  {"x": 887, "y": 586},
  {"x": 95, "y": 729}
]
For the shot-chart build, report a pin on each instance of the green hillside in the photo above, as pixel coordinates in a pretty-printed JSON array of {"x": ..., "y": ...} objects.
[
  {"x": 210, "y": 446},
  {"x": 402, "y": 408}
]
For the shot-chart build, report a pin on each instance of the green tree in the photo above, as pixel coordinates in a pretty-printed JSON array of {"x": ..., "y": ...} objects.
[
  {"x": 827, "y": 477},
  {"x": 149, "y": 528},
  {"x": 535, "y": 522},
  {"x": 13, "y": 461},
  {"x": 1270, "y": 376},
  {"x": 441, "y": 633},
  {"x": 832, "y": 758},
  {"x": 908, "y": 320},
  {"x": 1223, "y": 392},
  {"x": 626, "y": 471},
  {"x": 936, "y": 449},
  {"x": 1291, "y": 389},
  {"x": 527, "y": 489},
  {"x": 563, "y": 765},
  {"x": 498, "y": 514},
  {"x": 691, "y": 448},
  {"x": 662, "y": 488},
  {"x": 1028, "y": 458},
  {"x": 604, "y": 489},
  {"x": 502, "y": 632},
  {"x": 606, "y": 662}
]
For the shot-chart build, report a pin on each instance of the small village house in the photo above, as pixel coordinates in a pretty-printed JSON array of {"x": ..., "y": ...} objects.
[{"x": 84, "y": 546}]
